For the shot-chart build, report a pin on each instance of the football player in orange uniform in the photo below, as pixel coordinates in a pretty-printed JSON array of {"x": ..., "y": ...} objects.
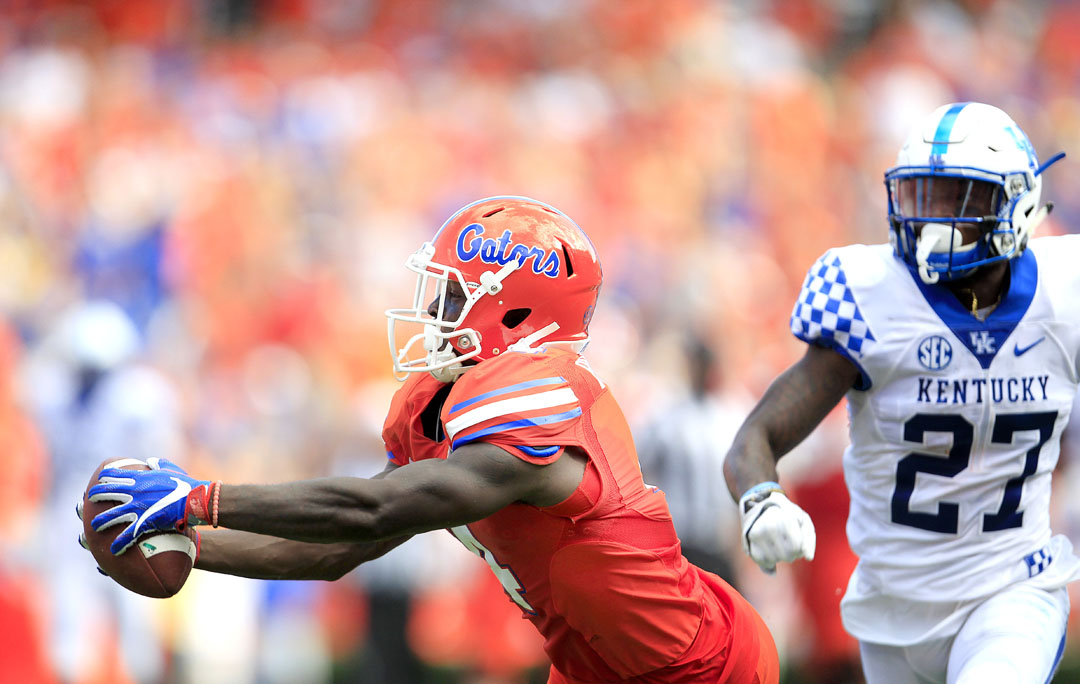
[{"x": 503, "y": 434}]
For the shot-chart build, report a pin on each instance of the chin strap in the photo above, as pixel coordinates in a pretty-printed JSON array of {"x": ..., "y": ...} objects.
[
  {"x": 525, "y": 343},
  {"x": 439, "y": 352}
]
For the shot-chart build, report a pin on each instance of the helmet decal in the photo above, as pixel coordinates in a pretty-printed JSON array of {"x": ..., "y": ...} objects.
[
  {"x": 470, "y": 245},
  {"x": 1024, "y": 144}
]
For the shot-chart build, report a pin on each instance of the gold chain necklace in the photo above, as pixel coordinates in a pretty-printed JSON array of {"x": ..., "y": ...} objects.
[{"x": 975, "y": 301}]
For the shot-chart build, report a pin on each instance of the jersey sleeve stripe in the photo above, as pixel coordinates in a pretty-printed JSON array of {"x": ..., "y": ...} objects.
[
  {"x": 541, "y": 400},
  {"x": 517, "y": 425},
  {"x": 540, "y": 452},
  {"x": 506, "y": 390}
]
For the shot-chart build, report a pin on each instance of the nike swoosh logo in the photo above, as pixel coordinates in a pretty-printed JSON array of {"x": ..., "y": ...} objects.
[
  {"x": 181, "y": 492},
  {"x": 1020, "y": 351}
]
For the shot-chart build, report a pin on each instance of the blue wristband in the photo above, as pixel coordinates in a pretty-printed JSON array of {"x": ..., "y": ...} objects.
[
  {"x": 757, "y": 493},
  {"x": 762, "y": 487}
]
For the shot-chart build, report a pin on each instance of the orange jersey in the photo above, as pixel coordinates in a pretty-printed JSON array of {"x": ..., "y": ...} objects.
[{"x": 601, "y": 575}]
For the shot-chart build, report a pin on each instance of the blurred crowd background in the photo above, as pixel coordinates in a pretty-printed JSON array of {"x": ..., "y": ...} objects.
[{"x": 205, "y": 208}]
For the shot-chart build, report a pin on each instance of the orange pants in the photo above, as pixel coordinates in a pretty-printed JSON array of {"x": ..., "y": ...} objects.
[{"x": 767, "y": 670}]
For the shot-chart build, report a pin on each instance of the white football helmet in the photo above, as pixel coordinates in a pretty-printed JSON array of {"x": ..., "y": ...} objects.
[{"x": 966, "y": 164}]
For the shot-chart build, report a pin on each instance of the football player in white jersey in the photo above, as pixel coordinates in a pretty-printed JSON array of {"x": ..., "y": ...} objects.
[{"x": 957, "y": 346}]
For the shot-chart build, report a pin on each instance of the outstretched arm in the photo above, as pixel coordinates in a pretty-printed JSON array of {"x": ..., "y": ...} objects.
[
  {"x": 258, "y": 556},
  {"x": 795, "y": 403},
  {"x": 773, "y": 528},
  {"x": 473, "y": 482}
]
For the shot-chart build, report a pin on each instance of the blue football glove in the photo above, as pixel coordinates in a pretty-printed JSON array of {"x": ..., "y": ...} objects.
[
  {"x": 162, "y": 498},
  {"x": 83, "y": 543}
]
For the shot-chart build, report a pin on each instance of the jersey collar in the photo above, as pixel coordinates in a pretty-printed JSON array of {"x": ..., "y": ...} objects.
[{"x": 985, "y": 338}]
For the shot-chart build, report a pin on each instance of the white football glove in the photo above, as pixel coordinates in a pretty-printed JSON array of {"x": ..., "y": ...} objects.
[{"x": 773, "y": 528}]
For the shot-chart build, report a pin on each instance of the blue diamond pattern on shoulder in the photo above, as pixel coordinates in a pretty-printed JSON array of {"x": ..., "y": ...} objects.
[{"x": 826, "y": 312}]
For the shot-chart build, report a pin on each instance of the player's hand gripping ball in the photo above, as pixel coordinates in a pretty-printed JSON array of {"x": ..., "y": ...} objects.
[{"x": 156, "y": 565}]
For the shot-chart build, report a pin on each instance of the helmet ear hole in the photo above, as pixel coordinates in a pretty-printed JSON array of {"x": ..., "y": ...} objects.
[{"x": 515, "y": 317}]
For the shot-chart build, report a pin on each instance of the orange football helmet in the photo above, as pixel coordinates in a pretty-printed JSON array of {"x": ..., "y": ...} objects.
[{"x": 501, "y": 273}]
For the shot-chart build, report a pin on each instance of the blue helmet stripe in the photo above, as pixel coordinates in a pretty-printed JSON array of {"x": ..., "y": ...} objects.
[{"x": 944, "y": 131}]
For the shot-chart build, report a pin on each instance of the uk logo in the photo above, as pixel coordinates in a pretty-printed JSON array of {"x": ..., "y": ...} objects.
[
  {"x": 502, "y": 251},
  {"x": 982, "y": 343},
  {"x": 1024, "y": 144},
  {"x": 935, "y": 353}
]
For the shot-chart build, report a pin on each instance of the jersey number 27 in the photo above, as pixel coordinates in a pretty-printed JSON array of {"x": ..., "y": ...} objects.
[{"x": 945, "y": 519}]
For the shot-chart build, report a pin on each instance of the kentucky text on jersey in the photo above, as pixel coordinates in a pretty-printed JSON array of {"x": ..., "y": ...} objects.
[
  {"x": 491, "y": 251},
  {"x": 979, "y": 390}
]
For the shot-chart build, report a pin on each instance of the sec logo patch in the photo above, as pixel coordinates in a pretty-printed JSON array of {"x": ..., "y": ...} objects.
[{"x": 935, "y": 353}]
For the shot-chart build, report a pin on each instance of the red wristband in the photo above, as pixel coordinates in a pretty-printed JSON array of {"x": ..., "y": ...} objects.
[{"x": 202, "y": 504}]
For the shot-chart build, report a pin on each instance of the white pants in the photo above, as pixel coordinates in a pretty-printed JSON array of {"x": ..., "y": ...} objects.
[{"x": 1014, "y": 637}]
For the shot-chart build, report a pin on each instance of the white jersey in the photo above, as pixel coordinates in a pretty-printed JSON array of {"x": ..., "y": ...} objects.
[{"x": 955, "y": 426}]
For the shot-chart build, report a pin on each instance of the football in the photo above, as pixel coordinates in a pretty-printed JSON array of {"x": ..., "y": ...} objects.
[{"x": 157, "y": 565}]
